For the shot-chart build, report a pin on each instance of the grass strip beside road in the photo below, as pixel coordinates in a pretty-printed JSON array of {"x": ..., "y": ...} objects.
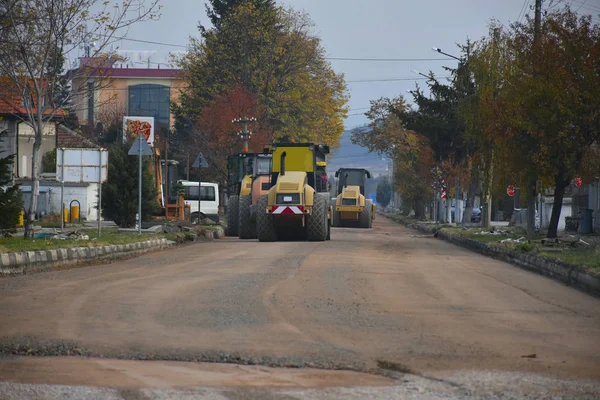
[
  {"x": 109, "y": 236},
  {"x": 586, "y": 257}
]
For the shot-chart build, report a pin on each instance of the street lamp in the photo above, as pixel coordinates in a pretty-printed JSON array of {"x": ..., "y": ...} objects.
[
  {"x": 245, "y": 134},
  {"x": 437, "y": 49}
]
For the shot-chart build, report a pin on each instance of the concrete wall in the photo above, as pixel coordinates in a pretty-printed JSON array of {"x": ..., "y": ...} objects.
[
  {"x": 86, "y": 194},
  {"x": 593, "y": 191},
  {"x": 566, "y": 211}
]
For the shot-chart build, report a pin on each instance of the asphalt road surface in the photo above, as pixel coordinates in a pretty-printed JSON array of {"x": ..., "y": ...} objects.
[{"x": 380, "y": 313}]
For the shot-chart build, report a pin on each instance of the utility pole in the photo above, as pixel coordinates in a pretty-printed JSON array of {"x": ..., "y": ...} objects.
[
  {"x": 532, "y": 179},
  {"x": 245, "y": 134},
  {"x": 538, "y": 20},
  {"x": 167, "y": 196}
]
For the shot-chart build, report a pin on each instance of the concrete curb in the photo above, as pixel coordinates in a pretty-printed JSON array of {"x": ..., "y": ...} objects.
[
  {"x": 571, "y": 275},
  {"x": 19, "y": 263}
]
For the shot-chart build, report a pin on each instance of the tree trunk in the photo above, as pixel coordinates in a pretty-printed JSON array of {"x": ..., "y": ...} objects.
[
  {"x": 531, "y": 206},
  {"x": 419, "y": 209},
  {"x": 35, "y": 178},
  {"x": 471, "y": 191},
  {"x": 559, "y": 195}
]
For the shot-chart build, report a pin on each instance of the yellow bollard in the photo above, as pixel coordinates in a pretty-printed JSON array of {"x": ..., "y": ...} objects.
[
  {"x": 21, "y": 218},
  {"x": 74, "y": 213},
  {"x": 66, "y": 215}
]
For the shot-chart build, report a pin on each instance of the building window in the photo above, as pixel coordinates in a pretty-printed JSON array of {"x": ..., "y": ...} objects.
[{"x": 150, "y": 100}]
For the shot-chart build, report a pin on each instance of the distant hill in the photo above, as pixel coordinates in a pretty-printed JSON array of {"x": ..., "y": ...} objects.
[{"x": 354, "y": 156}]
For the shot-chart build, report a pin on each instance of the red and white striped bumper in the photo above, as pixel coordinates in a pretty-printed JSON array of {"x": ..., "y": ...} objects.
[{"x": 288, "y": 210}]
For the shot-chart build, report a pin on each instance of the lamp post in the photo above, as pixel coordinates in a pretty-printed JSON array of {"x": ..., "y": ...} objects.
[{"x": 438, "y": 50}]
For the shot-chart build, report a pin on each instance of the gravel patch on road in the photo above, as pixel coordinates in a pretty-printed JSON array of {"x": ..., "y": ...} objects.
[
  {"x": 505, "y": 387},
  {"x": 27, "y": 346}
]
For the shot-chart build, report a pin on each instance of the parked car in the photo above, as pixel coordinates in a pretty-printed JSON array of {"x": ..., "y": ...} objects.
[{"x": 476, "y": 215}]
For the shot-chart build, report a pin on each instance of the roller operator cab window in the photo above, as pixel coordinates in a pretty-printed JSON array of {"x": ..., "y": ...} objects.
[{"x": 263, "y": 166}]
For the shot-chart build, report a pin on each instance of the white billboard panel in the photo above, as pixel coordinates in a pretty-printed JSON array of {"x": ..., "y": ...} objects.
[
  {"x": 133, "y": 126},
  {"x": 82, "y": 165}
]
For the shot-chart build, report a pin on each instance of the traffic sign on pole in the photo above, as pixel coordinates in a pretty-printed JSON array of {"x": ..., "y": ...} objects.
[
  {"x": 200, "y": 162},
  {"x": 140, "y": 148},
  {"x": 140, "y": 142},
  {"x": 510, "y": 190}
]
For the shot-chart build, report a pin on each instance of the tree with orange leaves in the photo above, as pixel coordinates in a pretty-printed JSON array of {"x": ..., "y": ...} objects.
[{"x": 216, "y": 132}]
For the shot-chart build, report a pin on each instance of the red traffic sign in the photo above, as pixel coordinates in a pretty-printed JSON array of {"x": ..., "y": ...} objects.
[
  {"x": 510, "y": 190},
  {"x": 578, "y": 181}
]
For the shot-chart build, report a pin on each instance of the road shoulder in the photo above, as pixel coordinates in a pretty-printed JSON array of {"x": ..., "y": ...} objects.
[{"x": 571, "y": 275}]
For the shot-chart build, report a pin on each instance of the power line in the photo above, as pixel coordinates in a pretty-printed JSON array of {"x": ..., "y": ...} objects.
[
  {"x": 327, "y": 58},
  {"x": 361, "y": 108},
  {"x": 590, "y": 7},
  {"x": 393, "y": 79},
  {"x": 522, "y": 13},
  {"x": 148, "y": 42},
  {"x": 387, "y": 59},
  {"x": 582, "y": 4}
]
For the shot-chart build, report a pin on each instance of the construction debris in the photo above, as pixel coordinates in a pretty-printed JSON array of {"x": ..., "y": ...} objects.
[
  {"x": 571, "y": 241},
  {"x": 494, "y": 232},
  {"x": 509, "y": 240},
  {"x": 76, "y": 235}
]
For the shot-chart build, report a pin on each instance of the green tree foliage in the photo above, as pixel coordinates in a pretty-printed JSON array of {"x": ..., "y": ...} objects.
[
  {"x": 61, "y": 92},
  {"x": 272, "y": 54},
  {"x": 411, "y": 152},
  {"x": 49, "y": 161},
  {"x": 120, "y": 192},
  {"x": 384, "y": 192},
  {"x": 540, "y": 113},
  {"x": 217, "y": 10},
  {"x": 11, "y": 199},
  {"x": 439, "y": 120},
  {"x": 437, "y": 116}
]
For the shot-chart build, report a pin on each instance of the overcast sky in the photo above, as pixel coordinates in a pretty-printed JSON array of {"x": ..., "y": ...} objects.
[{"x": 384, "y": 29}]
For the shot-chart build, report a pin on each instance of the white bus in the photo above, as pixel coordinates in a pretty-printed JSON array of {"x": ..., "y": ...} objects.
[{"x": 209, "y": 200}]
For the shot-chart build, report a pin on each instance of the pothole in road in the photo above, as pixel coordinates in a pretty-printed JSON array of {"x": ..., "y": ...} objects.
[
  {"x": 395, "y": 367},
  {"x": 394, "y": 371},
  {"x": 10, "y": 347}
]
